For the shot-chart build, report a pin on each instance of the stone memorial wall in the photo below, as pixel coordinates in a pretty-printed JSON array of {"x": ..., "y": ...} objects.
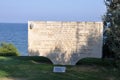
[{"x": 65, "y": 43}]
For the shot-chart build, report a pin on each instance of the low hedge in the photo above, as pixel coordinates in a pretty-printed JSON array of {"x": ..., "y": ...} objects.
[{"x": 8, "y": 49}]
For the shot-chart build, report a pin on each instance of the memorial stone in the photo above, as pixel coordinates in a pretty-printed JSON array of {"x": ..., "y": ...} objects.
[{"x": 65, "y": 43}]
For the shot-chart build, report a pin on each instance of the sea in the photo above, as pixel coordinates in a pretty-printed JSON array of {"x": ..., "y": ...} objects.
[{"x": 17, "y": 34}]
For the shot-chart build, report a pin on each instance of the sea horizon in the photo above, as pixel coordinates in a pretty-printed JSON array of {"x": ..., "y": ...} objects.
[{"x": 17, "y": 34}]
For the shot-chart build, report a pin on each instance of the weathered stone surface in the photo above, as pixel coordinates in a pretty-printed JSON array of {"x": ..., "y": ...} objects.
[{"x": 65, "y": 42}]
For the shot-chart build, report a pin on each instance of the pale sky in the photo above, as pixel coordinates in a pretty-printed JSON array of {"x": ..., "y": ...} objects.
[{"x": 20, "y": 11}]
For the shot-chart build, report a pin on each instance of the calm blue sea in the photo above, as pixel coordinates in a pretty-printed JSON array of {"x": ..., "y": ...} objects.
[{"x": 15, "y": 33}]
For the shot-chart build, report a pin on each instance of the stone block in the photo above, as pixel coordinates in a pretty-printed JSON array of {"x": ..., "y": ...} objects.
[{"x": 65, "y": 43}]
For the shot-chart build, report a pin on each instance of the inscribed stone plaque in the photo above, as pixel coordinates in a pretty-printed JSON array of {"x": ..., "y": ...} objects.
[
  {"x": 59, "y": 69},
  {"x": 65, "y": 43}
]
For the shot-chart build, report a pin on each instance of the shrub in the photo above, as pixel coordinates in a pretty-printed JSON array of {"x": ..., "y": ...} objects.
[{"x": 8, "y": 49}]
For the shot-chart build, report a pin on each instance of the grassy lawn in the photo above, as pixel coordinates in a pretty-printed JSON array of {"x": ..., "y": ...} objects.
[{"x": 39, "y": 68}]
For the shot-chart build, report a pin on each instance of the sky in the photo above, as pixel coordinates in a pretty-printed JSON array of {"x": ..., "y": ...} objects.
[{"x": 22, "y": 11}]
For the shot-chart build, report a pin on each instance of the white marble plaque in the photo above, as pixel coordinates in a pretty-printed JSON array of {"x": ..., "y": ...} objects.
[{"x": 59, "y": 69}]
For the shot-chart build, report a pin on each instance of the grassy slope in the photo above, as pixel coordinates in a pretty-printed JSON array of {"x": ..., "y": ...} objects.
[{"x": 36, "y": 68}]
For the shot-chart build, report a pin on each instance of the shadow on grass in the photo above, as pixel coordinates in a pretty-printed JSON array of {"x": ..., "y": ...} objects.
[
  {"x": 25, "y": 58},
  {"x": 96, "y": 61}
]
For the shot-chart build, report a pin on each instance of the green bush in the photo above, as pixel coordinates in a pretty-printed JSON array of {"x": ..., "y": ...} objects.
[{"x": 8, "y": 49}]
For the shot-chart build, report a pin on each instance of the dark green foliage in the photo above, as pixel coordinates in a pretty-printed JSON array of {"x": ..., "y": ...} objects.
[
  {"x": 8, "y": 49},
  {"x": 112, "y": 27}
]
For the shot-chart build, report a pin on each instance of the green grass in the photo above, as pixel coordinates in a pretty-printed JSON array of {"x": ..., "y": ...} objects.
[{"x": 40, "y": 68}]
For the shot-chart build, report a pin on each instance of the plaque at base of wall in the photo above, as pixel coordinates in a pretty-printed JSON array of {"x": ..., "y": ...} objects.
[{"x": 59, "y": 69}]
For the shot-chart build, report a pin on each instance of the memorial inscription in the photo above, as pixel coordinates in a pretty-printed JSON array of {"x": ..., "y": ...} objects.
[{"x": 65, "y": 43}]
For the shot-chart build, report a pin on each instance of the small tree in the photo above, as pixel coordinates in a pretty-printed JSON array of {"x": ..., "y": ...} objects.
[
  {"x": 8, "y": 49},
  {"x": 112, "y": 27}
]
